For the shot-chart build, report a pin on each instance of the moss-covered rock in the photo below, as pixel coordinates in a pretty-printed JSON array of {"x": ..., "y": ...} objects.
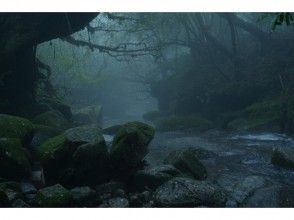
[
  {"x": 283, "y": 159},
  {"x": 153, "y": 177},
  {"x": 187, "y": 162},
  {"x": 14, "y": 159},
  {"x": 79, "y": 156},
  {"x": 43, "y": 133},
  {"x": 173, "y": 123},
  {"x": 54, "y": 196},
  {"x": 90, "y": 164},
  {"x": 130, "y": 146},
  {"x": 84, "y": 134},
  {"x": 53, "y": 119},
  {"x": 16, "y": 127}
]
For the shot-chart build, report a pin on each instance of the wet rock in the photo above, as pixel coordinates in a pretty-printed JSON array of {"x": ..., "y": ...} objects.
[
  {"x": 264, "y": 197},
  {"x": 187, "y": 162},
  {"x": 109, "y": 188},
  {"x": 54, "y": 196},
  {"x": 140, "y": 199},
  {"x": 153, "y": 177},
  {"x": 91, "y": 164},
  {"x": 286, "y": 196},
  {"x": 53, "y": 119},
  {"x": 77, "y": 157},
  {"x": 247, "y": 187},
  {"x": 92, "y": 114},
  {"x": 43, "y": 133},
  {"x": 14, "y": 159},
  {"x": 16, "y": 127},
  {"x": 129, "y": 147},
  {"x": 185, "y": 192},
  {"x": 283, "y": 159},
  {"x": 27, "y": 188},
  {"x": 20, "y": 204},
  {"x": 85, "y": 196},
  {"x": 116, "y": 203},
  {"x": 84, "y": 134}
]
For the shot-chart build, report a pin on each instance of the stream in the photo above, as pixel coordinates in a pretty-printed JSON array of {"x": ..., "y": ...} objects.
[{"x": 240, "y": 164}]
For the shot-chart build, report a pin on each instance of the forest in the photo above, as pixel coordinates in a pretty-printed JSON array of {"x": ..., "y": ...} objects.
[{"x": 146, "y": 110}]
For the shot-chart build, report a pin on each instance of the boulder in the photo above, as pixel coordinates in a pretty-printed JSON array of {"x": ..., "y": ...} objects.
[
  {"x": 187, "y": 162},
  {"x": 84, "y": 134},
  {"x": 117, "y": 202},
  {"x": 91, "y": 164},
  {"x": 16, "y": 127},
  {"x": 109, "y": 188},
  {"x": 53, "y": 119},
  {"x": 54, "y": 196},
  {"x": 185, "y": 192},
  {"x": 79, "y": 156},
  {"x": 243, "y": 189},
  {"x": 85, "y": 197},
  {"x": 43, "y": 133},
  {"x": 129, "y": 147},
  {"x": 283, "y": 159},
  {"x": 153, "y": 177},
  {"x": 19, "y": 203},
  {"x": 14, "y": 159},
  {"x": 12, "y": 190}
]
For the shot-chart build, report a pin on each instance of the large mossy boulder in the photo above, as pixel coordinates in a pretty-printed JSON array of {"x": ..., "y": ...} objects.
[
  {"x": 283, "y": 158},
  {"x": 153, "y": 177},
  {"x": 16, "y": 127},
  {"x": 78, "y": 156},
  {"x": 53, "y": 119},
  {"x": 91, "y": 164},
  {"x": 129, "y": 147},
  {"x": 54, "y": 196},
  {"x": 187, "y": 162},
  {"x": 14, "y": 159},
  {"x": 173, "y": 123},
  {"x": 185, "y": 192}
]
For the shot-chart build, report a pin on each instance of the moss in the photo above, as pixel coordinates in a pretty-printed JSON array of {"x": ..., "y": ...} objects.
[
  {"x": 51, "y": 131},
  {"x": 130, "y": 146},
  {"x": 16, "y": 127},
  {"x": 52, "y": 119},
  {"x": 183, "y": 123},
  {"x": 14, "y": 161},
  {"x": 259, "y": 116},
  {"x": 53, "y": 149},
  {"x": 54, "y": 196},
  {"x": 152, "y": 115}
]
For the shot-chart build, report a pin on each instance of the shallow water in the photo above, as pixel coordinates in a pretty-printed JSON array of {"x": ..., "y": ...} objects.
[{"x": 239, "y": 158}]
